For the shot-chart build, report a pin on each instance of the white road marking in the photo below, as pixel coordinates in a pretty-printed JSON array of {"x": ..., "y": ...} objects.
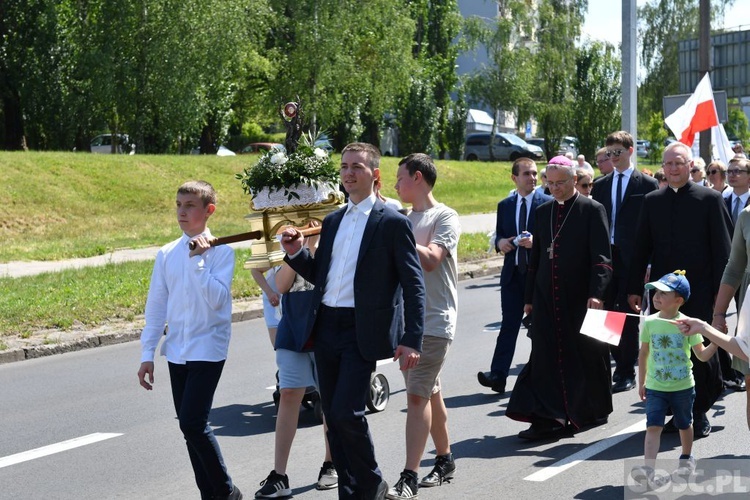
[
  {"x": 55, "y": 448},
  {"x": 586, "y": 453}
]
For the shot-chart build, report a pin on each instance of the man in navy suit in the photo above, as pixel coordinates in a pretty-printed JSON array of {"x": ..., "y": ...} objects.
[
  {"x": 622, "y": 192},
  {"x": 512, "y": 220},
  {"x": 368, "y": 305}
]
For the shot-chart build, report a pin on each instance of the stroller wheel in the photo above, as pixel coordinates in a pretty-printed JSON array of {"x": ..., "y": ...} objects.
[{"x": 380, "y": 392}]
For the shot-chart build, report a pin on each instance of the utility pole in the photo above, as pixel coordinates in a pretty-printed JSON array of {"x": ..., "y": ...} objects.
[
  {"x": 629, "y": 70},
  {"x": 704, "y": 60}
]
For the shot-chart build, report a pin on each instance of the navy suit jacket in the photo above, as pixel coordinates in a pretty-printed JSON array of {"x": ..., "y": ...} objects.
[
  {"x": 728, "y": 202},
  {"x": 639, "y": 186},
  {"x": 389, "y": 294},
  {"x": 505, "y": 227}
]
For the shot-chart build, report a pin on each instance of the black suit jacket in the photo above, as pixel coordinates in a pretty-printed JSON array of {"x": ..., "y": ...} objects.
[
  {"x": 639, "y": 186},
  {"x": 687, "y": 230},
  {"x": 389, "y": 294},
  {"x": 505, "y": 227}
]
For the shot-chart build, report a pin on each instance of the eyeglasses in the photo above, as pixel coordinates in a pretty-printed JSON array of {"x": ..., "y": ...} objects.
[
  {"x": 713, "y": 172},
  {"x": 736, "y": 171},
  {"x": 694, "y": 170},
  {"x": 558, "y": 184},
  {"x": 603, "y": 160},
  {"x": 614, "y": 152},
  {"x": 672, "y": 164}
]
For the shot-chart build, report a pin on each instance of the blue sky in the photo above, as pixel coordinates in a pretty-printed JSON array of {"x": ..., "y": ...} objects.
[{"x": 603, "y": 21}]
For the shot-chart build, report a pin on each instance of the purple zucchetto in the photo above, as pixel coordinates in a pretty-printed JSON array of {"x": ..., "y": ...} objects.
[{"x": 561, "y": 160}]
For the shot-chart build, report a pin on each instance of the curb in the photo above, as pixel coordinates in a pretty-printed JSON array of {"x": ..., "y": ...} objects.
[{"x": 242, "y": 310}]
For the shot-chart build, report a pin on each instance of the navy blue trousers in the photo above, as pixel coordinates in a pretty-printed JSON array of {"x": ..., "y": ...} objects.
[
  {"x": 511, "y": 304},
  {"x": 344, "y": 382},
  {"x": 193, "y": 388}
]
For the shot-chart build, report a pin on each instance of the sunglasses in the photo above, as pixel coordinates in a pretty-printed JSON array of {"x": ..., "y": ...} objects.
[
  {"x": 713, "y": 172},
  {"x": 585, "y": 186},
  {"x": 614, "y": 152}
]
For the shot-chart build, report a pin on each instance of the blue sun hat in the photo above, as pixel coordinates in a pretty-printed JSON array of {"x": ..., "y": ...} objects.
[{"x": 672, "y": 282}]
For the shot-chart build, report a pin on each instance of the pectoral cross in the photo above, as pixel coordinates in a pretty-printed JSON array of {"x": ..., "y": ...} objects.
[{"x": 549, "y": 250}]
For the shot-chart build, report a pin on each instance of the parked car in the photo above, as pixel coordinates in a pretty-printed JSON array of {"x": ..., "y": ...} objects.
[
  {"x": 567, "y": 143},
  {"x": 261, "y": 147},
  {"x": 102, "y": 144},
  {"x": 507, "y": 147},
  {"x": 642, "y": 147}
]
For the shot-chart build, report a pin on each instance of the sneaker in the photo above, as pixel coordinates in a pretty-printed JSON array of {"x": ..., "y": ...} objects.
[
  {"x": 274, "y": 486},
  {"x": 642, "y": 474},
  {"x": 646, "y": 477},
  {"x": 406, "y": 487},
  {"x": 442, "y": 472},
  {"x": 686, "y": 466},
  {"x": 328, "y": 478}
]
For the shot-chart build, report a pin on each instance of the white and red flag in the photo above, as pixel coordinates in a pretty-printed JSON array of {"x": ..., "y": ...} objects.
[
  {"x": 696, "y": 115},
  {"x": 604, "y": 325}
]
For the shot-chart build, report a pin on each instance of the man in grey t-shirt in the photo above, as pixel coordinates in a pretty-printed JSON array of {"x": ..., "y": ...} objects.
[{"x": 436, "y": 231}]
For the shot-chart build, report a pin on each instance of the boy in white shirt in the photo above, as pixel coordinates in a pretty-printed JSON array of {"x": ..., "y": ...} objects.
[{"x": 191, "y": 292}]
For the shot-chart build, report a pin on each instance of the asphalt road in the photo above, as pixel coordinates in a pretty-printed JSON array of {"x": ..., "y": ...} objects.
[{"x": 46, "y": 402}]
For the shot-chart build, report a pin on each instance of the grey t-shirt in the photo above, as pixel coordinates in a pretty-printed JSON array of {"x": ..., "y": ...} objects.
[{"x": 440, "y": 225}]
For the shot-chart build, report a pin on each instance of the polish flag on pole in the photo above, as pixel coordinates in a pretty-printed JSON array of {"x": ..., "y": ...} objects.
[
  {"x": 604, "y": 325},
  {"x": 696, "y": 115}
]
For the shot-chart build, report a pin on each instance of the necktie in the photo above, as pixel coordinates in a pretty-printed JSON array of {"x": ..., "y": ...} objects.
[
  {"x": 736, "y": 209},
  {"x": 618, "y": 200},
  {"x": 522, "y": 257}
]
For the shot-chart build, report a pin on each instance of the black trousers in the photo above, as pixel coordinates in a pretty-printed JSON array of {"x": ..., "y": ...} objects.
[
  {"x": 193, "y": 388},
  {"x": 344, "y": 382}
]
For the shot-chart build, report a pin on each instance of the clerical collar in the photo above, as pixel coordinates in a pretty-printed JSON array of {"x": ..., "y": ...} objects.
[{"x": 572, "y": 199}]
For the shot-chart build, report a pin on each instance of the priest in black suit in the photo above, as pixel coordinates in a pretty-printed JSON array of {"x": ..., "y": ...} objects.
[
  {"x": 622, "y": 192},
  {"x": 685, "y": 226},
  {"x": 567, "y": 379}
]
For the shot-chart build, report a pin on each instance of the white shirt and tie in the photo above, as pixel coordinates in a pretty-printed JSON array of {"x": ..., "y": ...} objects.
[
  {"x": 738, "y": 203},
  {"x": 339, "y": 286},
  {"x": 619, "y": 181}
]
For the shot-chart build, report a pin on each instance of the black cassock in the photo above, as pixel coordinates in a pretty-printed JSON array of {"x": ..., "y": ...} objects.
[
  {"x": 568, "y": 374},
  {"x": 687, "y": 229}
]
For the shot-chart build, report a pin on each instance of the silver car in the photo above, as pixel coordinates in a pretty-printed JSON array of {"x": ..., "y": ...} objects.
[{"x": 507, "y": 147}]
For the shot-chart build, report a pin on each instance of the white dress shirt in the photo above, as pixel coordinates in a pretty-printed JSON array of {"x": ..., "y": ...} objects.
[
  {"x": 193, "y": 297},
  {"x": 339, "y": 287}
]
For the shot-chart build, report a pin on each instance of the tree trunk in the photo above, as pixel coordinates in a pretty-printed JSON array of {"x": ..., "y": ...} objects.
[{"x": 15, "y": 137}]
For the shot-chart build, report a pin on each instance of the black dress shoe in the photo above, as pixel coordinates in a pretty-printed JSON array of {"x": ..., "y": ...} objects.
[
  {"x": 625, "y": 384},
  {"x": 545, "y": 430},
  {"x": 494, "y": 382},
  {"x": 701, "y": 426},
  {"x": 377, "y": 493}
]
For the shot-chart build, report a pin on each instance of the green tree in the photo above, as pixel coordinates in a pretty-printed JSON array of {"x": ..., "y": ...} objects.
[
  {"x": 437, "y": 24},
  {"x": 737, "y": 123},
  {"x": 456, "y": 136},
  {"x": 417, "y": 119},
  {"x": 559, "y": 22},
  {"x": 348, "y": 61},
  {"x": 656, "y": 134},
  {"x": 661, "y": 25},
  {"x": 598, "y": 96},
  {"x": 504, "y": 83}
]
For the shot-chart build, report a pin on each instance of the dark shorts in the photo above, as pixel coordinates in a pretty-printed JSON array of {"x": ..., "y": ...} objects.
[{"x": 681, "y": 402}]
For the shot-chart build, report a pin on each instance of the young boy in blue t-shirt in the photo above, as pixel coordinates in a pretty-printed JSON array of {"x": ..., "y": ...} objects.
[{"x": 665, "y": 375}]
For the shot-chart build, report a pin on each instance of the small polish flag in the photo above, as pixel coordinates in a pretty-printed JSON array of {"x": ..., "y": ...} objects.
[
  {"x": 604, "y": 325},
  {"x": 696, "y": 115}
]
